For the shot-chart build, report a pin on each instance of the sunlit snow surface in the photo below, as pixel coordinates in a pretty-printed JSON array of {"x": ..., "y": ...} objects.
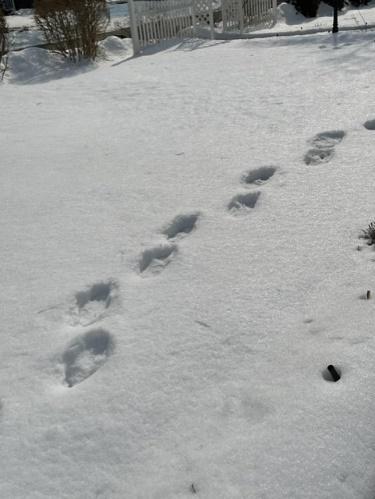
[{"x": 176, "y": 277}]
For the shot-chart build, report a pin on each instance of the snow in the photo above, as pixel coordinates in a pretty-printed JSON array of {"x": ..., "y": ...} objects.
[
  {"x": 113, "y": 47},
  {"x": 23, "y": 18},
  {"x": 176, "y": 277},
  {"x": 36, "y": 65},
  {"x": 39, "y": 65}
]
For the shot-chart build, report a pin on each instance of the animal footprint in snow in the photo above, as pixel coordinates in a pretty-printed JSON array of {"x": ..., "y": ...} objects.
[
  {"x": 323, "y": 147},
  {"x": 242, "y": 202},
  {"x": 156, "y": 259},
  {"x": 259, "y": 176},
  {"x": 369, "y": 125},
  {"x": 92, "y": 302},
  {"x": 316, "y": 156},
  {"x": 85, "y": 355},
  {"x": 181, "y": 225},
  {"x": 328, "y": 139}
]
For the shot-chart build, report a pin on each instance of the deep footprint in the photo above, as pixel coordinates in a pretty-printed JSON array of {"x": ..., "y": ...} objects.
[
  {"x": 92, "y": 302},
  {"x": 323, "y": 148},
  {"x": 181, "y": 225},
  {"x": 99, "y": 292},
  {"x": 369, "y": 125},
  {"x": 85, "y": 355},
  {"x": 328, "y": 139},
  {"x": 244, "y": 201},
  {"x": 317, "y": 156},
  {"x": 156, "y": 259},
  {"x": 259, "y": 176}
]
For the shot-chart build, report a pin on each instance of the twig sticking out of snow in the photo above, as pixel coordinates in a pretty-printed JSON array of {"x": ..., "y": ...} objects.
[{"x": 193, "y": 488}]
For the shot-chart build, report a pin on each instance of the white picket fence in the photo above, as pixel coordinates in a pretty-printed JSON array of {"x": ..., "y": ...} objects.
[
  {"x": 155, "y": 21},
  {"x": 248, "y": 15}
]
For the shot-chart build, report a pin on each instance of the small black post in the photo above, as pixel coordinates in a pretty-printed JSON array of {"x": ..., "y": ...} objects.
[
  {"x": 335, "y": 375},
  {"x": 335, "y": 28}
]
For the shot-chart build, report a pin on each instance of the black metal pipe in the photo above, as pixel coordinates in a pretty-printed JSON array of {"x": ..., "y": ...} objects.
[
  {"x": 335, "y": 28},
  {"x": 334, "y": 373}
]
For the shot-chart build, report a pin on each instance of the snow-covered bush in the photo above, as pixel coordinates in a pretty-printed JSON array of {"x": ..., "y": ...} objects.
[
  {"x": 71, "y": 27},
  {"x": 309, "y": 8},
  {"x": 3, "y": 44}
]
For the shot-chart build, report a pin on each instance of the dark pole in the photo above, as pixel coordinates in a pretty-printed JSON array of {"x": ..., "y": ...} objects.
[{"x": 335, "y": 28}]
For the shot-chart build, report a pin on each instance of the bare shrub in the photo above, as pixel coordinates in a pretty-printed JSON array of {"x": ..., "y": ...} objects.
[
  {"x": 369, "y": 233},
  {"x": 3, "y": 44},
  {"x": 71, "y": 27}
]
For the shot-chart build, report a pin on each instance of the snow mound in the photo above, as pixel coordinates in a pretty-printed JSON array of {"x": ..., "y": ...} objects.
[
  {"x": 36, "y": 65},
  {"x": 114, "y": 47},
  {"x": 289, "y": 15}
]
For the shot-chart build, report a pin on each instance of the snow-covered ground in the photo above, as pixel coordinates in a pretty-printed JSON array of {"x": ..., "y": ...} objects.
[{"x": 180, "y": 263}]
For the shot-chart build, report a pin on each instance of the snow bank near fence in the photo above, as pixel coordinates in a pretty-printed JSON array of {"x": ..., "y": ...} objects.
[
  {"x": 36, "y": 65},
  {"x": 114, "y": 47}
]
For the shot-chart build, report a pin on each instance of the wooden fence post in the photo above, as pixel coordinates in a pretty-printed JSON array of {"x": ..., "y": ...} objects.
[{"x": 134, "y": 27}]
